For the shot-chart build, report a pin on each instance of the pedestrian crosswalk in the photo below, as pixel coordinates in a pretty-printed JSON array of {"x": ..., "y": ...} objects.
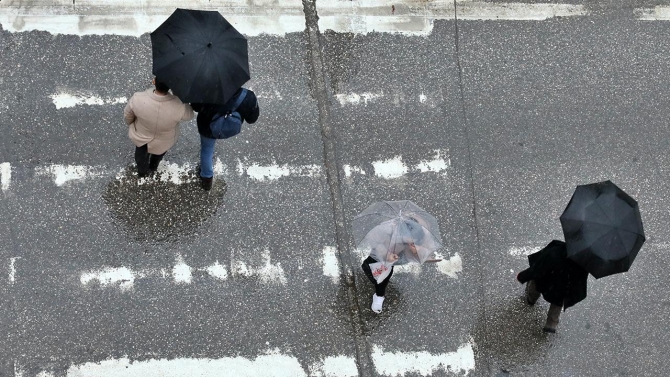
[
  {"x": 392, "y": 168},
  {"x": 275, "y": 363},
  {"x": 409, "y": 17}
]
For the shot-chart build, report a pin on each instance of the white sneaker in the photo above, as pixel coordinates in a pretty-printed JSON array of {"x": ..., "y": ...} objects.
[{"x": 377, "y": 303}]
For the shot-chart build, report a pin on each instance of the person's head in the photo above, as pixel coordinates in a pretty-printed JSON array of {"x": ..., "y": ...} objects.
[
  {"x": 415, "y": 234},
  {"x": 161, "y": 86}
]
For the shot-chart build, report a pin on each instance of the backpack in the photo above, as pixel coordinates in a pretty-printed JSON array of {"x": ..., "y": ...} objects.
[{"x": 228, "y": 123}]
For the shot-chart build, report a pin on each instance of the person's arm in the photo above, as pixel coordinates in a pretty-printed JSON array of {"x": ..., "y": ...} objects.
[
  {"x": 524, "y": 276},
  {"x": 188, "y": 112},
  {"x": 252, "y": 104},
  {"x": 128, "y": 113}
]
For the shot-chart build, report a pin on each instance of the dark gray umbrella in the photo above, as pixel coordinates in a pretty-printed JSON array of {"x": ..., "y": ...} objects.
[
  {"x": 603, "y": 229},
  {"x": 200, "y": 56}
]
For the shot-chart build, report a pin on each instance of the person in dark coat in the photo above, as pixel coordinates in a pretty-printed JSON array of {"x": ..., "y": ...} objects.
[
  {"x": 249, "y": 112},
  {"x": 558, "y": 279}
]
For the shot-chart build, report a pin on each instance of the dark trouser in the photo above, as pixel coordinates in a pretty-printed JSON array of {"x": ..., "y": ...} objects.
[
  {"x": 380, "y": 288},
  {"x": 146, "y": 161},
  {"x": 532, "y": 295}
]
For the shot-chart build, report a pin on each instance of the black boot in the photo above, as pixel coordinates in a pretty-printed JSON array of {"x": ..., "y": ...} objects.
[{"x": 206, "y": 183}]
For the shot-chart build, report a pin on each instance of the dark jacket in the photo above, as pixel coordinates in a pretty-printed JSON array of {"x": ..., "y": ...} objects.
[
  {"x": 560, "y": 280},
  {"x": 248, "y": 110}
]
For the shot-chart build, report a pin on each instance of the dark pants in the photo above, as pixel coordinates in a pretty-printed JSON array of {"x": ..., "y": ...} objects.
[
  {"x": 146, "y": 161},
  {"x": 380, "y": 288}
]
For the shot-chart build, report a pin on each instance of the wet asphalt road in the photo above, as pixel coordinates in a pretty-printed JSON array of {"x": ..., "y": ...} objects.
[{"x": 522, "y": 111}]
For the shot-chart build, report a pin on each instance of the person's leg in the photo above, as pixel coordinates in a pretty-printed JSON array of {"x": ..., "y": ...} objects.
[
  {"x": 207, "y": 162},
  {"x": 207, "y": 157},
  {"x": 380, "y": 289},
  {"x": 367, "y": 270},
  {"x": 155, "y": 160},
  {"x": 380, "y": 292},
  {"x": 532, "y": 295},
  {"x": 552, "y": 318},
  {"x": 142, "y": 160}
]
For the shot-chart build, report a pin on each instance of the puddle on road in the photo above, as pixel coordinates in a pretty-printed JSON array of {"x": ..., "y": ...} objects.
[{"x": 155, "y": 209}]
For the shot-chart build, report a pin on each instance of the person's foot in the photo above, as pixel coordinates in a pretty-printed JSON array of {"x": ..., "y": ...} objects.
[
  {"x": 206, "y": 183},
  {"x": 527, "y": 294},
  {"x": 377, "y": 303},
  {"x": 551, "y": 330},
  {"x": 153, "y": 166}
]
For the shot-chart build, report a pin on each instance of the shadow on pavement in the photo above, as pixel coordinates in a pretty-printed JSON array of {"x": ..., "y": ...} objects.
[
  {"x": 510, "y": 337},
  {"x": 160, "y": 209}
]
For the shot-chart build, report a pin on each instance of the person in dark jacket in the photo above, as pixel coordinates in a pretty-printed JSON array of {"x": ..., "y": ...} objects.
[
  {"x": 249, "y": 112},
  {"x": 558, "y": 279}
]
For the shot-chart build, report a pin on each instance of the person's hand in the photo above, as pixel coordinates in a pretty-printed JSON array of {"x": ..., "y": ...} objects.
[
  {"x": 392, "y": 257},
  {"x": 412, "y": 248}
]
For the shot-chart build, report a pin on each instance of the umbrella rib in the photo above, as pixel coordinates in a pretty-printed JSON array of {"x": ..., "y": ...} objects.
[
  {"x": 375, "y": 213},
  {"x": 197, "y": 23},
  {"x": 598, "y": 223},
  {"x": 390, "y": 206}
]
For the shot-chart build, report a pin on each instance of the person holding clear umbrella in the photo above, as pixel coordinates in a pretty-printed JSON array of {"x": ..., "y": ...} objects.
[{"x": 398, "y": 254}]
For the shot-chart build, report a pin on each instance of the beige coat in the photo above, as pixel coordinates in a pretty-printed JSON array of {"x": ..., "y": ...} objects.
[{"x": 154, "y": 120}]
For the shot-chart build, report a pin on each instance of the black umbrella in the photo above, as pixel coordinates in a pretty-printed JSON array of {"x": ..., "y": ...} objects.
[
  {"x": 603, "y": 229},
  {"x": 200, "y": 56}
]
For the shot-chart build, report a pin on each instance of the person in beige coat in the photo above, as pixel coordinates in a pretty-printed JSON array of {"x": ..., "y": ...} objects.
[{"x": 153, "y": 118}]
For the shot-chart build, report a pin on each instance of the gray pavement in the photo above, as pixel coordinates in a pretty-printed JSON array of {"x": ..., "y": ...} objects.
[{"x": 520, "y": 112}]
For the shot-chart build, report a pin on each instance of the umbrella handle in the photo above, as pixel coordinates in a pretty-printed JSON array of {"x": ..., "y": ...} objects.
[{"x": 432, "y": 260}]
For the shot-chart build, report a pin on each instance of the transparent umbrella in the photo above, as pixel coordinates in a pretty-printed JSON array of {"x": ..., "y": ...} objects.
[{"x": 396, "y": 233}]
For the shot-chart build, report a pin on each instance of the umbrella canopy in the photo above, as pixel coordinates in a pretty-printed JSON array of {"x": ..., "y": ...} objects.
[
  {"x": 603, "y": 229},
  {"x": 560, "y": 280},
  {"x": 200, "y": 56},
  {"x": 397, "y": 232}
]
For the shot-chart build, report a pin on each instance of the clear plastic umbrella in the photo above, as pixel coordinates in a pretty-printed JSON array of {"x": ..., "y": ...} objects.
[{"x": 397, "y": 232}]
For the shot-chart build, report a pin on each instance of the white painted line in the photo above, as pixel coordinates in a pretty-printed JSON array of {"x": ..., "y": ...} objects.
[
  {"x": 417, "y": 17},
  {"x": 334, "y": 366},
  {"x": 522, "y": 251},
  {"x": 356, "y": 99},
  {"x": 273, "y": 172},
  {"x": 331, "y": 265},
  {"x": 436, "y": 165},
  {"x": 65, "y": 173},
  {"x": 271, "y": 273},
  {"x": 217, "y": 271},
  {"x": 181, "y": 272},
  {"x": 450, "y": 267},
  {"x": 121, "y": 276},
  {"x": 67, "y": 100},
  {"x": 479, "y": 10},
  {"x": 395, "y": 167},
  {"x": 349, "y": 170},
  {"x": 274, "y": 17},
  {"x": 391, "y": 168},
  {"x": 271, "y": 364},
  {"x": 5, "y": 175},
  {"x": 134, "y": 18},
  {"x": 424, "y": 363},
  {"x": 658, "y": 13},
  {"x": 12, "y": 269}
]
